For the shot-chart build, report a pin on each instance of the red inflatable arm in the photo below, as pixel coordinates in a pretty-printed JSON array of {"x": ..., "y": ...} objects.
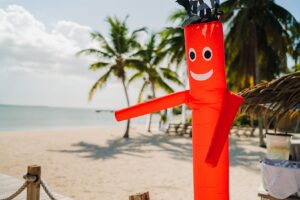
[
  {"x": 220, "y": 136},
  {"x": 152, "y": 106}
]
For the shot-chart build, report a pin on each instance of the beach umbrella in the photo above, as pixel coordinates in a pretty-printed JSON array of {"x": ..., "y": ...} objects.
[{"x": 213, "y": 106}]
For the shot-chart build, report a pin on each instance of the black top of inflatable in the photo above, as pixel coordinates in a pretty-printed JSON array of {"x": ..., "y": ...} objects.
[{"x": 198, "y": 11}]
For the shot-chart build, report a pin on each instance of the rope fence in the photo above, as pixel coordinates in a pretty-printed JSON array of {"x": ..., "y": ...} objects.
[
  {"x": 32, "y": 183},
  {"x": 46, "y": 189},
  {"x": 16, "y": 193}
]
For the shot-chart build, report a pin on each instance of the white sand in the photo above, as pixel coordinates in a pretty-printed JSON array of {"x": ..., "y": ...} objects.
[{"x": 96, "y": 163}]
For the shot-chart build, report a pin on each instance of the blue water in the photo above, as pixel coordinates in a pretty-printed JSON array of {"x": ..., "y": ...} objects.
[{"x": 14, "y": 118}]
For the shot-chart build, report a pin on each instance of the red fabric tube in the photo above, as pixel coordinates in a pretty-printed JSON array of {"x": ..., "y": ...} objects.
[
  {"x": 209, "y": 183},
  {"x": 230, "y": 108},
  {"x": 154, "y": 105},
  {"x": 210, "y": 102},
  {"x": 213, "y": 109}
]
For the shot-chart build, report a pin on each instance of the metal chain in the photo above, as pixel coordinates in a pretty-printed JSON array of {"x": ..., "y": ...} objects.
[
  {"x": 16, "y": 193},
  {"x": 50, "y": 195}
]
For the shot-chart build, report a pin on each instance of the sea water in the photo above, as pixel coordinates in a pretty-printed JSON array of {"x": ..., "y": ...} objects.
[{"x": 14, "y": 118}]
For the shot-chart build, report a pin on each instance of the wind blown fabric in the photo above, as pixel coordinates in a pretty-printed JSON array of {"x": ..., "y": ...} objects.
[{"x": 213, "y": 109}]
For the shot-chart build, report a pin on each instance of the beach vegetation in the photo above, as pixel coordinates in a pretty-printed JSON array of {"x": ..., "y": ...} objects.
[
  {"x": 150, "y": 57},
  {"x": 114, "y": 56},
  {"x": 173, "y": 38},
  {"x": 259, "y": 35},
  {"x": 257, "y": 43}
]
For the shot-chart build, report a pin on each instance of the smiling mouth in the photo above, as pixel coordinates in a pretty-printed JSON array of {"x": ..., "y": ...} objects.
[{"x": 202, "y": 77}]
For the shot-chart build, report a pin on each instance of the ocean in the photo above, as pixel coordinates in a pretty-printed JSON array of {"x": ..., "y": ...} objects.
[{"x": 15, "y": 118}]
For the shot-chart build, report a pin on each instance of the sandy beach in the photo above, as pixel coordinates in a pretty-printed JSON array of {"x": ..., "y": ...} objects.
[{"x": 97, "y": 163}]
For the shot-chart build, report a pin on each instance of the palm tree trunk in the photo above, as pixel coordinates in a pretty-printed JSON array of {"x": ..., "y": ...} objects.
[
  {"x": 266, "y": 124},
  {"x": 183, "y": 113},
  {"x": 126, "y": 134},
  {"x": 183, "y": 108},
  {"x": 257, "y": 81},
  {"x": 149, "y": 123},
  {"x": 253, "y": 126},
  {"x": 297, "y": 126},
  {"x": 261, "y": 133}
]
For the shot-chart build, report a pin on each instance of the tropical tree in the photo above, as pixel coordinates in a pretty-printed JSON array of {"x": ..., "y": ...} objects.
[
  {"x": 173, "y": 38},
  {"x": 257, "y": 42},
  {"x": 294, "y": 49},
  {"x": 173, "y": 42},
  {"x": 114, "y": 55},
  {"x": 295, "y": 53},
  {"x": 154, "y": 77}
]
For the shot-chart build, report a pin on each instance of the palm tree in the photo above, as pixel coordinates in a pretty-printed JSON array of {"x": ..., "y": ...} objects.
[
  {"x": 173, "y": 42},
  {"x": 173, "y": 38},
  {"x": 150, "y": 56},
  {"x": 295, "y": 53},
  {"x": 114, "y": 56},
  {"x": 294, "y": 49},
  {"x": 257, "y": 42}
]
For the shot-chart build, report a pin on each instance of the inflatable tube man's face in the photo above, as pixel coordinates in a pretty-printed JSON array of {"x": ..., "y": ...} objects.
[{"x": 205, "y": 56}]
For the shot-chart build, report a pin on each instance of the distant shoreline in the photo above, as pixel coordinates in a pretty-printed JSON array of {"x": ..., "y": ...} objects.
[
  {"x": 59, "y": 107},
  {"x": 30, "y": 118},
  {"x": 49, "y": 129}
]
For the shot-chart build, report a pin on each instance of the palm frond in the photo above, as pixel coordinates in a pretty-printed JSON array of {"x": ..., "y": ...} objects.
[
  {"x": 134, "y": 63},
  {"x": 143, "y": 29},
  {"x": 135, "y": 77},
  {"x": 172, "y": 41},
  {"x": 163, "y": 85},
  {"x": 144, "y": 86},
  {"x": 160, "y": 55},
  {"x": 119, "y": 34},
  {"x": 98, "y": 65},
  {"x": 100, "y": 83},
  {"x": 103, "y": 42},
  {"x": 283, "y": 15},
  {"x": 177, "y": 16},
  {"x": 132, "y": 40},
  {"x": 95, "y": 52},
  {"x": 228, "y": 7},
  {"x": 171, "y": 76}
]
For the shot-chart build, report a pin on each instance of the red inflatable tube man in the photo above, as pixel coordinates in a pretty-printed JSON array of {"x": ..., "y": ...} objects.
[{"x": 213, "y": 109}]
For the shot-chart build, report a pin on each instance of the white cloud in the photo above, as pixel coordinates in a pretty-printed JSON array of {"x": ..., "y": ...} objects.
[
  {"x": 27, "y": 45},
  {"x": 38, "y": 65}
]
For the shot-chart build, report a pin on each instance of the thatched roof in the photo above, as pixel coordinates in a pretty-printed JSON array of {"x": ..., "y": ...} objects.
[{"x": 279, "y": 96}]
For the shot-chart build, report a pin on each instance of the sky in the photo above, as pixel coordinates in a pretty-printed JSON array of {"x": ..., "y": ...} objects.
[{"x": 39, "y": 40}]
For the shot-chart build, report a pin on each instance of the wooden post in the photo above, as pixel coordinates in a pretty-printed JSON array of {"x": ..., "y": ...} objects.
[
  {"x": 141, "y": 196},
  {"x": 33, "y": 189}
]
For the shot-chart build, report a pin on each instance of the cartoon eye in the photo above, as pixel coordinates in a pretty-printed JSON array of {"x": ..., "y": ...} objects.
[
  {"x": 192, "y": 54},
  {"x": 207, "y": 53}
]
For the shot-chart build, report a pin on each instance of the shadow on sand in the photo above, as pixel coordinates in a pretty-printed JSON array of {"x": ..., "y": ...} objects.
[
  {"x": 246, "y": 153},
  {"x": 243, "y": 151},
  {"x": 176, "y": 147}
]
